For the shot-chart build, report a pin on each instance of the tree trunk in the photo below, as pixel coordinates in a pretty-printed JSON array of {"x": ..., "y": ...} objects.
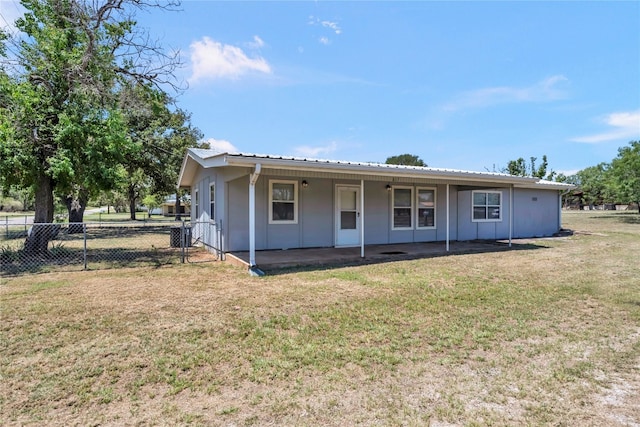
[
  {"x": 177, "y": 207},
  {"x": 76, "y": 207},
  {"x": 40, "y": 235},
  {"x": 132, "y": 202}
]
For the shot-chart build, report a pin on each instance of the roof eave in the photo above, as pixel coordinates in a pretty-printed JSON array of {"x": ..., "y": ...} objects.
[
  {"x": 187, "y": 172},
  {"x": 360, "y": 169}
]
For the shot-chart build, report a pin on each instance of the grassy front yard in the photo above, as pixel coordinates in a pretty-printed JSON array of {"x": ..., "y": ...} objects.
[{"x": 527, "y": 337}]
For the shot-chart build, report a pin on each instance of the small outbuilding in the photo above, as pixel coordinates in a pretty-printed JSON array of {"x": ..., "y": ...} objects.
[{"x": 266, "y": 202}]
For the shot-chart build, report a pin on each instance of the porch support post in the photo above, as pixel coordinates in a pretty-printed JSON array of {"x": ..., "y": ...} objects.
[
  {"x": 447, "y": 245},
  {"x": 252, "y": 214},
  {"x": 510, "y": 213},
  {"x": 362, "y": 218}
]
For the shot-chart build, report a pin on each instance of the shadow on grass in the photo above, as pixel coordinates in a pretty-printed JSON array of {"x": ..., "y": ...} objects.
[
  {"x": 625, "y": 217},
  {"x": 67, "y": 259}
]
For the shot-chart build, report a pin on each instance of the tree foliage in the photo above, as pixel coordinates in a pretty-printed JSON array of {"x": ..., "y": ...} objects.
[
  {"x": 615, "y": 182},
  {"x": 405, "y": 159},
  {"x": 520, "y": 167},
  {"x": 594, "y": 184},
  {"x": 625, "y": 174},
  {"x": 60, "y": 126},
  {"x": 161, "y": 136}
]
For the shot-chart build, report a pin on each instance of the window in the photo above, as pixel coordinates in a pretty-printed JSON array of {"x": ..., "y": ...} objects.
[
  {"x": 283, "y": 198},
  {"x": 196, "y": 204},
  {"x": 402, "y": 207},
  {"x": 426, "y": 208},
  {"x": 487, "y": 206},
  {"x": 212, "y": 201}
]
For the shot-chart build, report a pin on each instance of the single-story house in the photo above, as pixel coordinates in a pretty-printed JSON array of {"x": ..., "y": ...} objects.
[
  {"x": 268, "y": 202},
  {"x": 169, "y": 207}
]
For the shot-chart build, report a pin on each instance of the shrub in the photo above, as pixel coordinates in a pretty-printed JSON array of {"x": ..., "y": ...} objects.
[{"x": 10, "y": 205}]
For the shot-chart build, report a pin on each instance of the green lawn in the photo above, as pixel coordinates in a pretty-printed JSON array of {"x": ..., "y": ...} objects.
[{"x": 547, "y": 336}]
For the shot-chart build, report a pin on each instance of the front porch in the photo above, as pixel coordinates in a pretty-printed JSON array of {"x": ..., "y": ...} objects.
[{"x": 271, "y": 260}]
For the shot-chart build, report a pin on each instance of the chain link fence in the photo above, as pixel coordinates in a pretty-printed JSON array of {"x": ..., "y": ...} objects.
[{"x": 80, "y": 246}]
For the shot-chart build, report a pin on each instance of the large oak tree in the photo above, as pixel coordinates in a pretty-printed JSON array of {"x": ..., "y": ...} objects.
[{"x": 60, "y": 126}]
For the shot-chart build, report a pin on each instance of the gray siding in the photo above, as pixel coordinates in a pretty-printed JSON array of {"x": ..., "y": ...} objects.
[
  {"x": 316, "y": 214},
  {"x": 237, "y": 215},
  {"x": 471, "y": 230},
  {"x": 535, "y": 213},
  {"x": 316, "y": 221},
  {"x": 377, "y": 213}
]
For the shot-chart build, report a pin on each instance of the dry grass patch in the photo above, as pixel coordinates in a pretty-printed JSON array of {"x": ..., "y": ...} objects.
[{"x": 547, "y": 336}]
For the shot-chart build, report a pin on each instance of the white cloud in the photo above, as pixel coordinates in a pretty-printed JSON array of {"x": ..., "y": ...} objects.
[
  {"x": 308, "y": 151},
  {"x": 213, "y": 60},
  {"x": 221, "y": 145},
  {"x": 333, "y": 26},
  {"x": 623, "y": 125},
  {"x": 545, "y": 90},
  {"x": 257, "y": 43}
]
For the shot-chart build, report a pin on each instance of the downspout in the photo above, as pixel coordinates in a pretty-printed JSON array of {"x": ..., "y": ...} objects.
[
  {"x": 447, "y": 245},
  {"x": 253, "y": 178},
  {"x": 510, "y": 214}
]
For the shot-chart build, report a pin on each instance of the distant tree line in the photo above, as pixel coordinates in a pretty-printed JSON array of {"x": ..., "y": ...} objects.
[
  {"x": 614, "y": 182},
  {"x": 606, "y": 183}
]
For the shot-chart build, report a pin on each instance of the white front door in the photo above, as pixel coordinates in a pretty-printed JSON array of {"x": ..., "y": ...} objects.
[{"x": 347, "y": 216}]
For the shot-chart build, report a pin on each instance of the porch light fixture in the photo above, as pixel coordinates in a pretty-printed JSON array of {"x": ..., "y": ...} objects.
[
  {"x": 305, "y": 184},
  {"x": 388, "y": 187}
]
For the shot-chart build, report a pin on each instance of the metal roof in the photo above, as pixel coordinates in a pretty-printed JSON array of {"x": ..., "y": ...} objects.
[{"x": 208, "y": 158}]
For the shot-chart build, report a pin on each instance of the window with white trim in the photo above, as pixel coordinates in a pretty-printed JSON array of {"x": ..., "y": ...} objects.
[
  {"x": 212, "y": 201},
  {"x": 283, "y": 202},
  {"x": 487, "y": 206},
  {"x": 426, "y": 208},
  {"x": 402, "y": 211}
]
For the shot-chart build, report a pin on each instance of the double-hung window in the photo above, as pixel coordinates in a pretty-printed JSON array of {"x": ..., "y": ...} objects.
[
  {"x": 283, "y": 202},
  {"x": 487, "y": 206},
  {"x": 426, "y": 198},
  {"x": 402, "y": 208},
  {"x": 212, "y": 201}
]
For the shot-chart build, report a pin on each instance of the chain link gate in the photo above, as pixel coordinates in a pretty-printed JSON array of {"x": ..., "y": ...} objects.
[{"x": 205, "y": 234}]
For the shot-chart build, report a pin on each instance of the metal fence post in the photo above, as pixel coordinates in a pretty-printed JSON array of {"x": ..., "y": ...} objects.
[
  {"x": 84, "y": 232},
  {"x": 182, "y": 242},
  {"x": 6, "y": 226}
]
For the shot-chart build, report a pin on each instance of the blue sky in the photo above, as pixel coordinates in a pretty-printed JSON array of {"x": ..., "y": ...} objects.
[{"x": 464, "y": 85}]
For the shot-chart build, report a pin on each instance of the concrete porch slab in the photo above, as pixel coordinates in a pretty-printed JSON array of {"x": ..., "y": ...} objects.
[{"x": 327, "y": 257}]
